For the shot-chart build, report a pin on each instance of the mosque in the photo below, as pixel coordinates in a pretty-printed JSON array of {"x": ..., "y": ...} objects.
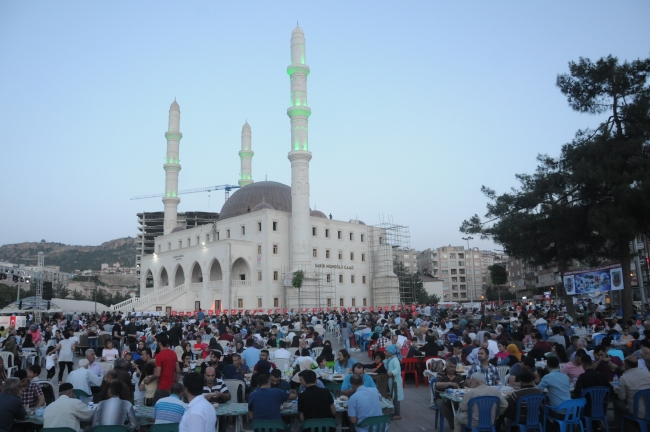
[{"x": 265, "y": 231}]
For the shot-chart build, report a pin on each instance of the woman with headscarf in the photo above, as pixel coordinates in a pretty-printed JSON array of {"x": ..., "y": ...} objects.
[
  {"x": 305, "y": 364},
  {"x": 36, "y": 334},
  {"x": 392, "y": 362},
  {"x": 11, "y": 346}
]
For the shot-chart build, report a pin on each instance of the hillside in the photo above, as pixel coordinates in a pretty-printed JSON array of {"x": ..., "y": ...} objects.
[{"x": 71, "y": 258}]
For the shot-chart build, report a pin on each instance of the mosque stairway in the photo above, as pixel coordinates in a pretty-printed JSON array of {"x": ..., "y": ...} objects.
[{"x": 165, "y": 294}]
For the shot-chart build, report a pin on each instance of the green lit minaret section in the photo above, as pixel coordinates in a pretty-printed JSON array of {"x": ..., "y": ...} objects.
[
  {"x": 246, "y": 156},
  {"x": 299, "y": 154},
  {"x": 172, "y": 167}
]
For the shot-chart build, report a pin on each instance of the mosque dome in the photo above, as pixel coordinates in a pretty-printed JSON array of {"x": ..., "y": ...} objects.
[
  {"x": 244, "y": 200},
  {"x": 317, "y": 213},
  {"x": 178, "y": 228},
  {"x": 263, "y": 206}
]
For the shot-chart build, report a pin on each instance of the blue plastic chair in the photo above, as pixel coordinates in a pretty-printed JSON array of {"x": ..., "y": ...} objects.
[
  {"x": 363, "y": 342},
  {"x": 543, "y": 328},
  {"x": 534, "y": 412},
  {"x": 451, "y": 337},
  {"x": 268, "y": 426},
  {"x": 643, "y": 423},
  {"x": 616, "y": 336},
  {"x": 571, "y": 410},
  {"x": 376, "y": 423},
  {"x": 485, "y": 405},
  {"x": 597, "y": 397},
  {"x": 438, "y": 414},
  {"x": 597, "y": 339}
]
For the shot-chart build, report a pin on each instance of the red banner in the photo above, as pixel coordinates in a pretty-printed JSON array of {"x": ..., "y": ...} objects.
[
  {"x": 412, "y": 307},
  {"x": 284, "y": 311},
  {"x": 392, "y": 308},
  {"x": 210, "y": 312},
  {"x": 225, "y": 311}
]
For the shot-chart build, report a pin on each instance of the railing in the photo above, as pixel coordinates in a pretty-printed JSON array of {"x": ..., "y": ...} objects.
[
  {"x": 196, "y": 285},
  {"x": 240, "y": 283},
  {"x": 138, "y": 303},
  {"x": 215, "y": 284}
]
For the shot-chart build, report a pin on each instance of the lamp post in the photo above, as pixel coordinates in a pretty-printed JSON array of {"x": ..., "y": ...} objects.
[{"x": 469, "y": 251}]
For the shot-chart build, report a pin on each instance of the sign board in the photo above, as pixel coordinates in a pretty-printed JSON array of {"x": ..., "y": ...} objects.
[
  {"x": 288, "y": 277},
  {"x": 16, "y": 321},
  {"x": 594, "y": 280}
]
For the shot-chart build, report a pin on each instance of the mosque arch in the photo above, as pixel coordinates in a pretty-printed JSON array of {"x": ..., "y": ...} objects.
[
  {"x": 179, "y": 276},
  {"x": 240, "y": 270},
  {"x": 148, "y": 279},
  {"x": 197, "y": 274},
  {"x": 164, "y": 278},
  {"x": 215, "y": 271}
]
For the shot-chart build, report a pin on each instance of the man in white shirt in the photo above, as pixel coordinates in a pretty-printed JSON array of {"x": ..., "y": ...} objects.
[
  {"x": 93, "y": 364},
  {"x": 82, "y": 378},
  {"x": 200, "y": 415},
  {"x": 66, "y": 411},
  {"x": 282, "y": 352}
]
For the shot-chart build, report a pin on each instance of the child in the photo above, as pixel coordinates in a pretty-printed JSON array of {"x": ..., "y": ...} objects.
[
  {"x": 322, "y": 371},
  {"x": 50, "y": 361}
]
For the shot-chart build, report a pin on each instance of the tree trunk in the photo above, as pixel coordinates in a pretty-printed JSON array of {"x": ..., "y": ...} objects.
[
  {"x": 568, "y": 299},
  {"x": 626, "y": 294}
]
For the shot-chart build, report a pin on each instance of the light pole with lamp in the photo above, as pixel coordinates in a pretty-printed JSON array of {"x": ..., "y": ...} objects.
[{"x": 469, "y": 251}]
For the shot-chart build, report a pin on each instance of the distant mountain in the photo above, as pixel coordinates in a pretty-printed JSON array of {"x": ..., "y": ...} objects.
[{"x": 71, "y": 258}]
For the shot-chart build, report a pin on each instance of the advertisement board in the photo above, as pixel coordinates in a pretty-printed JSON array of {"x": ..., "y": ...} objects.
[
  {"x": 16, "y": 321},
  {"x": 594, "y": 280}
]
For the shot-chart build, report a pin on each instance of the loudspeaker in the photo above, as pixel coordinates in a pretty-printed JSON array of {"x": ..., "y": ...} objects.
[{"x": 47, "y": 290}]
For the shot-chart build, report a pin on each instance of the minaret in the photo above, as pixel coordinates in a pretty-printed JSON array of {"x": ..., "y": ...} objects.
[
  {"x": 172, "y": 167},
  {"x": 299, "y": 155},
  {"x": 246, "y": 155}
]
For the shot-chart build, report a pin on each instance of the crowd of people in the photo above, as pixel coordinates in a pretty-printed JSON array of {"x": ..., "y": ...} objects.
[{"x": 177, "y": 365}]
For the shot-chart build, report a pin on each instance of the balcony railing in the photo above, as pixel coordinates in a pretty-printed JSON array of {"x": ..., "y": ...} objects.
[{"x": 240, "y": 283}]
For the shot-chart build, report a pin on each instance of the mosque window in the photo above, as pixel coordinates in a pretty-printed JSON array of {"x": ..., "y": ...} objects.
[
  {"x": 314, "y": 253},
  {"x": 180, "y": 244},
  {"x": 275, "y": 275},
  {"x": 381, "y": 240},
  {"x": 240, "y": 303},
  {"x": 217, "y": 304},
  {"x": 276, "y": 302},
  {"x": 313, "y": 231},
  {"x": 363, "y": 279},
  {"x": 327, "y": 253},
  {"x": 227, "y": 233},
  {"x": 340, "y": 278},
  {"x": 340, "y": 234},
  {"x": 329, "y": 278},
  {"x": 217, "y": 235},
  {"x": 275, "y": 226},
  {"x": 351, "y": 236},
  {"x": 329, "y": 302},
  {"x": 351, "y": 256},
  {"x": 275, "y": 249},
  {"x": 351, "y": 278},
  {"x": 363, "y": 237},
  {"x": 327, "y": 232},
  {"x": 259, "y": 249},
  {"x": 188, "y": 243},
  {"x": 259, "y": 276},
  {"x": 354, "y": 301},
  {"x": 159, "y": 248},
  {"x": 198, "y": 240},
  {"x": 341, "y": 301},
  {"x": 363, "y": 257},
  {"x": 242, "y": 276},
  {"x": 365, "y": 302},
  {"x": 169, "y": 246},
  {"x": 340, "y": 255},
  {"x": 259, "y": 226},
  {"x": 259, "y": 302},
  {"x": 243, "y": 230}
]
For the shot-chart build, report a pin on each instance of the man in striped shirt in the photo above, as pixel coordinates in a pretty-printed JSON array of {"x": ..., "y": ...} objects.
[
  {"x": 170, "y": 409},
  {"x": 214, "y": 389}
]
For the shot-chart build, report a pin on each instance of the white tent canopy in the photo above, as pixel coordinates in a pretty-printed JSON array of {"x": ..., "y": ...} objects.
[{"x": 56, "y": 305}]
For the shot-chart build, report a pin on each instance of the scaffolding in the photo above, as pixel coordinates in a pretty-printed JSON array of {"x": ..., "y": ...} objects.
[
  {"x": 317, "y": 291},
  {"x": 391, "y": 285}
]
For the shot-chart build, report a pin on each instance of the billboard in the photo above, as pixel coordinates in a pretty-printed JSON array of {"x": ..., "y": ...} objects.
[{"x": 594, "y": 280}]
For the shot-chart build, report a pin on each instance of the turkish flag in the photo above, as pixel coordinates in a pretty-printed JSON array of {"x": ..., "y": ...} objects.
[
  {"x": 392, "y": 308},
  {"x": 412, "y": 307},
  {"x": 225, "y": 311},
  {"x": 277, "y": 311},
  {"x": 363, "y": 308},
  {"x": 349, "y": 309},
  {"x": 174, "y": 313},
  {"x": 233, "y": 312},
  {"x": 314, "y": 310},
  {"x": 241, "y": 311},
  {"x": 372, "y": 309},
  {"x": 284, "y": 311},
  {"x": 210, "y": 312},
  {"x": 328, "y": 309}
]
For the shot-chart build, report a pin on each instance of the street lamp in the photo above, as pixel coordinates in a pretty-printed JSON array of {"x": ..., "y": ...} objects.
[{"x": 469, "y": 251}]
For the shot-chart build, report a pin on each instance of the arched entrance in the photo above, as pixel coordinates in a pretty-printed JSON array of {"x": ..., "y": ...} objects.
[
  {"x": 179, "y": 278},
  {"x": 240, "y": 270},
  {"x": 164, "y": 278},
  {"x": 148, "y": 279},
  {"x": 197, "y": 275},
  {"x": 215, "y": 271}
]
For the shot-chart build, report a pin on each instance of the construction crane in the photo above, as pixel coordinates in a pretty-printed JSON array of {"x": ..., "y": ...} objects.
[{"x": 227, "y": 188}]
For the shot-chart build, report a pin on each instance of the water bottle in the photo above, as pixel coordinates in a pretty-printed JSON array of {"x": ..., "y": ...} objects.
[{"x": 615, "y": 382}]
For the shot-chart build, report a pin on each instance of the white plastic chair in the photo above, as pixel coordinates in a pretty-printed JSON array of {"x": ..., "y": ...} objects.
[
  {"x": 272, "y": 352},
  {"x": 233, "y": 387},
  {"x": 224, "y": 344},
  {"x": 503, "y": 372},
  {"x": 106, "y": 366},
  {"x": 506, "y": 380},
  {"x": 282, "y": 364},
  {"x": 317, "y": 351},
  {"x": 6, "y": 356}
]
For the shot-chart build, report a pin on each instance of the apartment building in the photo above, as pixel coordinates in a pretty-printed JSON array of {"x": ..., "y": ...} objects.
[{"x": 408, "y": 258}]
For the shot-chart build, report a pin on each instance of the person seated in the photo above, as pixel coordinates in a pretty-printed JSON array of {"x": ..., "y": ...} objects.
[
  {"x": 357, "y": 369},
  {"x": 608, "y": 366},
  {"x": 66, "y": 411},
  {"x": 265, "y": 402},
  {"x": 109, "y": 377},
  {"x": 304, "y": 356},
  {"x": 314, "y": 402},
  {"x": 277, "y": 381},
  {"x": 527, "y": 387},
  {"x": 363, "y": 403},
  {"x": 477, "y": 384},
  {"x": 557, "y": 383},
  {"x": 264, "y": 355},
  {"x": 527, "y": 364},
  {"x": 378, "y": 365},
  {"x": 448, "y": 379},
  {"x": 237, "y": 369},
  {"x": 83, "y": 379},
  {"x": 589, "y": 378},
  {"x": 33, "y": 397},
  {"x": 12, "y": 406},
  {"x": 431, "y": 347},
  {"x": 322, "y": 371},
  {"x": 114, "y": 410},
  {"x": 170, "y": 409},
  {"x": 344, "y": 362}
]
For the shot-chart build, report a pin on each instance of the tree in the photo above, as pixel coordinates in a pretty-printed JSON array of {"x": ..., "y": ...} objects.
[
  {"x": 61, "y": 292},
  {"x": 78, "y": 295}
]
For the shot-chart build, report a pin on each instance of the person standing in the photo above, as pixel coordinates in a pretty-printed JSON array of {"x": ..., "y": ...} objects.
[
  {"x": 393, "y": 359},
  {"x": 66, "y": 411},
  {"x": 66, "y": 353},
  {"x": 166, "y": 371},
  {"x": 363, "y": 403},
  {"x": 199, "y": 416}
]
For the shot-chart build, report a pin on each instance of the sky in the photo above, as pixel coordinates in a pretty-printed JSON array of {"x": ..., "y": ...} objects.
[{"x": 415, "y": 105}]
